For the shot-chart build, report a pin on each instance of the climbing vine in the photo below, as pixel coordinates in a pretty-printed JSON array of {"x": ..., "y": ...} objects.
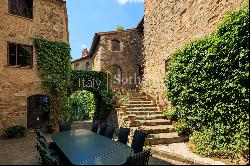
[
  {"x": 208, "y": 85},
  {"x": 53, "y": 62},
  {"x": 60, "y": 81}
]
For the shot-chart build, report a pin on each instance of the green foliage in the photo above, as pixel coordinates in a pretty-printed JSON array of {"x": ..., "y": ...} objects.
[
  {"x": 170, "y": 113},
  {"x": 15, "y": 131},
  {"x": 208, "y": 85},
  {"x": 182, "y": 128},
  {"x": 54, "y": 66},
  {"x": 99, "y": 84},
  {"x": 85, "y": 102},
  {"x": 119, "y": 28},
  {"x": 53, "y": 61}
]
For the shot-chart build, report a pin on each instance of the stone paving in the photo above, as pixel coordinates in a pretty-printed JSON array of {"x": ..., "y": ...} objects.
[
  {"x": 181, "y": 152},
  {"x": 21, "y": 151}
]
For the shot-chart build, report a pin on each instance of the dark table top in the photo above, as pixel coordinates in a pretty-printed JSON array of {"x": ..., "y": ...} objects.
[{"x": 84, "y": 147}]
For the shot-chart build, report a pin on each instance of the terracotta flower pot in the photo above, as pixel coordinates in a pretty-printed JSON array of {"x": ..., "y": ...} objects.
[
  {"x": 53, "y": 129},
  {"x": 132, "y": 118},
  {"x": 160, "y": 108},
  {"x": 123, "y": 108}
]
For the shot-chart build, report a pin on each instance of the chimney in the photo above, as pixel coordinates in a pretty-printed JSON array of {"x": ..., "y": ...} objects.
[{"x": 85, "y": 52}]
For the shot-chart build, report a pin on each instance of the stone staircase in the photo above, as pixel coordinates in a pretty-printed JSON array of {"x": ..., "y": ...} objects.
[{"x": 150, "y": 120}]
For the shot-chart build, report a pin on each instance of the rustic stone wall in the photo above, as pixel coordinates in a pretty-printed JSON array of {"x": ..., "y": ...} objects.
[
  {"x": 127, "y": 59},
  {"x": 168, "y": 25},
  {"x": 17, "y": 84}
]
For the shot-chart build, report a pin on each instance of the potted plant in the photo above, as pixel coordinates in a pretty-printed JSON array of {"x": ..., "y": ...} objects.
[
  {"x": 182, "y": 128},
  {"x": 123, "y": 103},
  {"x": 132, "y": 117},
  {"x": 170, "y": 114}
]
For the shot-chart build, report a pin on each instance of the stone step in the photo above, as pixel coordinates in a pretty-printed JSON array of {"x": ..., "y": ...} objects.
[
  {"x": 140, "y": 105},
  {"x": 141, "y": 113},
  {"x": 165, "y": 138},
  {"x": 139, "y": 102},
  {"x": 143, "y": 109},
  {"x": 157, "y": 129},
  {"x": 150, "y": 117},
  {"x": 154, "y": 122}
]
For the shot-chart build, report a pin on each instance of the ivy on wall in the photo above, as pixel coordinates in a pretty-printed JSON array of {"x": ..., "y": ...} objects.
[
  {"x": 60, "y": 81},
  {"x": 53, "y": 62},
  {"x": 208, "y": 85},
  {"x": 98, "y": 83}
]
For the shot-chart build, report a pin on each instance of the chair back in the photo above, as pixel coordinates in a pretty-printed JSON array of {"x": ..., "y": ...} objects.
[
  {"x": 103, "y": 128},
  {"x": 43, "y": 143},
  {"x": 40, "y": 134},
  {"x": 138, "y": 141},
  {"x": 123, "y": 135},
  {"x": 141, "y": 158},
  {"x": 110, "y": 131},
  {"x": 49, "y": 160},
  {"x": 95, "y": 126}
]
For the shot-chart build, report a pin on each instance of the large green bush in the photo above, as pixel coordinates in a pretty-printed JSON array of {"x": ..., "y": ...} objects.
[
  {"x": 208, "y": 85},
  {"x": 85, "y": 104}
]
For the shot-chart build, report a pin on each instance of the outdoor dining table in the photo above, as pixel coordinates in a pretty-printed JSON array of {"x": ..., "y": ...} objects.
[{"x": 84, "y": 147}]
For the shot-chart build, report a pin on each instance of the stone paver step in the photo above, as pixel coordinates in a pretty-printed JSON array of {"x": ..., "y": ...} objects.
[
  {"x": 140, "y": 105},
  {"x": 157, "y": 129},
  {"x": 150, "y": 117},
  {"x": 165, "y": 138},
  {"x": 139, "y": 102},
  {"x": 142, "y": 113},
  {"x": 153, "y": 122},
  {"x": 143, "y": 109}
]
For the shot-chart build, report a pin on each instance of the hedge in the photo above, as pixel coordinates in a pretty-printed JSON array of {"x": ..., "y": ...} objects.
[{"x": 208, "y": 85}]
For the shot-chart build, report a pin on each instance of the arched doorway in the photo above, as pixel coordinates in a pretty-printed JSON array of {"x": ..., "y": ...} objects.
[
  {"x": 36, "y": 111},
  {"x": 116, "y": 75}
]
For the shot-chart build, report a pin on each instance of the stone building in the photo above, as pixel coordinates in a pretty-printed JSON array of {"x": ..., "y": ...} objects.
[
  {"x": 168, "y": 25},
  {"x": 20, "y": 22},
  {"x": 83, "y": 63},
  {"x": 119, "y": 52}
]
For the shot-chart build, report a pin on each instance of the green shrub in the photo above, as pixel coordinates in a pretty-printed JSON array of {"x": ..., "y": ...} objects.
[
  {"x": 15, "y": 131},
  {"x": 208, "y": 85},
  {"x": 85, "y": 102},
  {"x": 182, "y": 128},
  {"x": 170, "y": 113}
]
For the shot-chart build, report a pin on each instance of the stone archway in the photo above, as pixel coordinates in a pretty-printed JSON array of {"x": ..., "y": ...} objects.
[{"x": 97, "y": 83}]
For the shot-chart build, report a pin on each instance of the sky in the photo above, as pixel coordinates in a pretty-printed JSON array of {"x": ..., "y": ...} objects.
[{"x": 86, "y": 17}]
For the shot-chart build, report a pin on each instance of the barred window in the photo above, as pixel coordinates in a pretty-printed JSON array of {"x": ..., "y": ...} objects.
[
  {"x": 115, "y": 45},
  {"x": 20, "y": 55},
  {"x": 23, "y": 8}
]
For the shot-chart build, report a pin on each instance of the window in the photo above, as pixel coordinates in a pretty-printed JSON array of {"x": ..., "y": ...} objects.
[
  {"x": 87, "y": 65},
  {"x": 141, "y": 72},
  {"x": 76, "y": 66},
  {"x": 20, "y": 55},
  {"x": 167, "y": 65},
  {"x": 117, "y": 74},
  {"x": 23, "y": 8},
  {"x": 115, "y": 45}
]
